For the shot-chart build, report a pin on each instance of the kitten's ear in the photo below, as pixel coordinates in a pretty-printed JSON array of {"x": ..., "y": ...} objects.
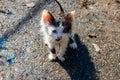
[
  {"x": 70, "y": 16},
  {"x": 47, "y": 17}
]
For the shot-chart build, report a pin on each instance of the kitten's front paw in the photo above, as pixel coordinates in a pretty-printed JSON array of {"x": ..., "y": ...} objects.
[
  {"x": 73, "y": 45},
  {"x": 51, "y": 57},
  {"x": 61, "y": 58}
]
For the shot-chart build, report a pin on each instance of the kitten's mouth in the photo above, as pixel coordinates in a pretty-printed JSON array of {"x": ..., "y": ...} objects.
[{"x": 58, "y": 39}]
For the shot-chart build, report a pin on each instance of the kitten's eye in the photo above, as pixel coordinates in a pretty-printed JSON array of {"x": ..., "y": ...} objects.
[
  {"x": 54, "y": 31},
  {"x": 66, "y": 30}
]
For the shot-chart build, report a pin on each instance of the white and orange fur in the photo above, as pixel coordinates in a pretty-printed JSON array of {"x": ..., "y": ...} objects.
[{"x": 57, "y": 33}]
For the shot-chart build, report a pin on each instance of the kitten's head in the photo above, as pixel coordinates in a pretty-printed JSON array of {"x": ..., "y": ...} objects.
[{"x": 57, "y": 29}]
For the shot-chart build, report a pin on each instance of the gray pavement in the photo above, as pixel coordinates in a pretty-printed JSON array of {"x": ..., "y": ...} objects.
[{"x": 23, "y": 55}]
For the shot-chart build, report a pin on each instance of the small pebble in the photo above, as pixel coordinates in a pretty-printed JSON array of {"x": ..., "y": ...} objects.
[
  {"x": 97, "y": 48},
  {"x": 30, "y": 5}
]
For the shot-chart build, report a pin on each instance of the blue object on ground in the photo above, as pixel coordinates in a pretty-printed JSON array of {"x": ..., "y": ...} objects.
[
  {"x": 2, "y": 41},
  {"x": 12, "y": 60}
]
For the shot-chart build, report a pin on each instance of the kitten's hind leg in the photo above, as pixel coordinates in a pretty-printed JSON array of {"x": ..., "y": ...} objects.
[{"x": 72, "y": 43}]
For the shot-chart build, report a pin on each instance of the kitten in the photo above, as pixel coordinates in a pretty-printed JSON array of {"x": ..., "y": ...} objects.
[{"x": 57, "y": 33}]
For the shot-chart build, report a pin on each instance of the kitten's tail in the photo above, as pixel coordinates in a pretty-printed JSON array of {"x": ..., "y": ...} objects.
[{"x": 61, "y": 9}]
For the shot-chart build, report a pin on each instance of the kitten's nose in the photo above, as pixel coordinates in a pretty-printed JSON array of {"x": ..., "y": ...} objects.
[{"x": 59, "y": 38}]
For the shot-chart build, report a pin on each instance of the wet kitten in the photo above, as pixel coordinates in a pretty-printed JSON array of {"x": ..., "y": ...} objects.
[{"x": 57, "y": 32}]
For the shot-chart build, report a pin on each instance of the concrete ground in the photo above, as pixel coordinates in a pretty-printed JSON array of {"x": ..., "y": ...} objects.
[{"x": 23, "y": 55}]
